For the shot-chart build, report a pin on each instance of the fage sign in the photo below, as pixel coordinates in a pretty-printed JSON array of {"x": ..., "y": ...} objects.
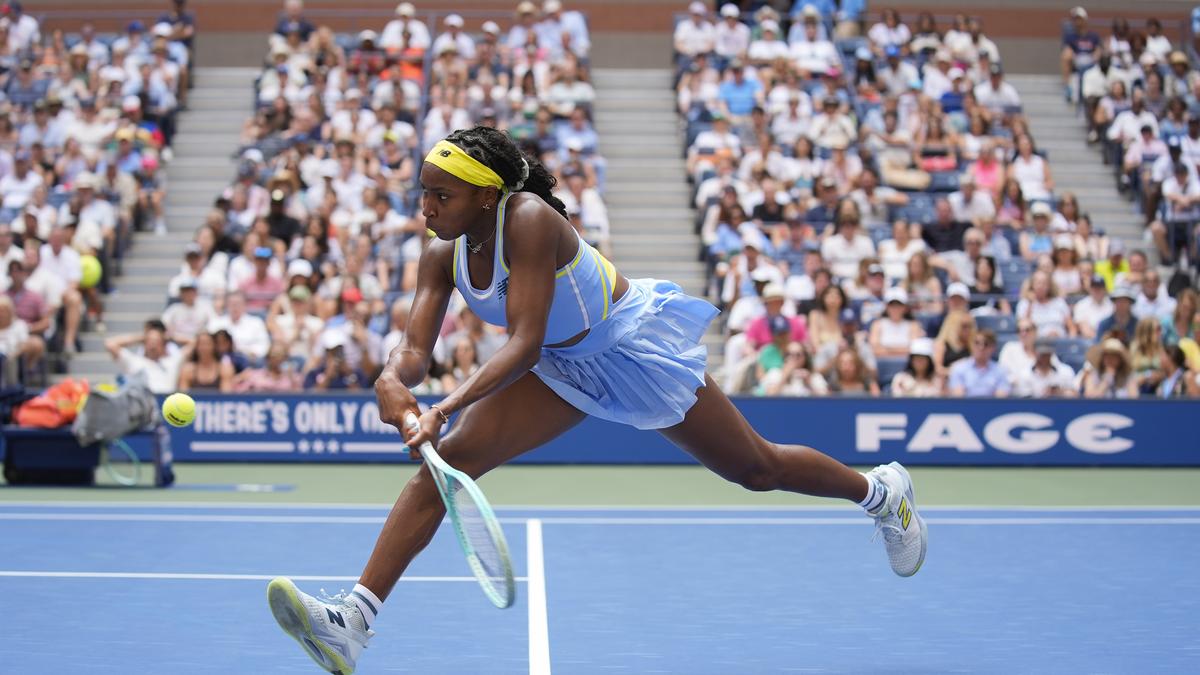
[{"x": 1018, "y": 433}]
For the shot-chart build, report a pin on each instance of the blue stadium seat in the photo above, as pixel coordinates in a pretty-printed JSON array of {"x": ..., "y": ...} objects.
[
  {"x": 1072, "y": 351},
  {"x": 997, "y": 323},
  {"x": 943, "y": 181},
  {"x": 889, "y": 368}
]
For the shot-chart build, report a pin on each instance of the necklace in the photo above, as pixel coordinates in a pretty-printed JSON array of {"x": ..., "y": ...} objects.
[{"x": 476, "y": 248}]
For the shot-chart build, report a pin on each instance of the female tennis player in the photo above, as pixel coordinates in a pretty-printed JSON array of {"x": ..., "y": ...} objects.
[{"x": 582, "y": 340}]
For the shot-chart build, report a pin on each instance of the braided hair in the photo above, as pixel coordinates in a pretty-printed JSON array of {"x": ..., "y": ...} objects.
[{"x": 496, "y": 150}]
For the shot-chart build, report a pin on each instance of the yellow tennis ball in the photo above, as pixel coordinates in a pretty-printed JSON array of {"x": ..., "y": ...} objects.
[
  {"x": 90, "y": 268},
  {"x": 179, "y": 410}
]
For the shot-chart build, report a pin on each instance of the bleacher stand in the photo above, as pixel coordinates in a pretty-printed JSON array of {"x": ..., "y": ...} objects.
[{"x": 885, "y": 180}]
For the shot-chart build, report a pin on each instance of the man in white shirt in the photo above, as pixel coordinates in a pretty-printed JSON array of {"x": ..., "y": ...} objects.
[
  {"x": 189, "y": 316},
  {"x": 937, "y": 80},
  {"x": 1181, "y": 212},
  {"x": 896, "y": 75},
  {"x": 454, "y": 35},
  {"x": 694, "y": 35},
  {"x": 970, "y": 205},
  {"x": 790, "y": 124},
  {"x": 1093, "y": 308},
  {"x": 393, "y": 36},
  {"x": 155, "y": 362},
  {"x": 17, "y": 186},
  {"x": 845, "y": 248},
  {"x": 249, "y": 332},
  {"x": 813, "y": 55},
  {"x": 832, "y": 127},
  {"x": 1128, "y": 123},
  {"x": 1152, "y": 302},
  {"x": 713, "y": 146},
  {"x": 769, "y": 47},
  {"x": 557, "y": 25},
  {"x": 732, "y": 36},
  {"x": 1047, "y": 378},
  {"x": 996, "y": 94}
]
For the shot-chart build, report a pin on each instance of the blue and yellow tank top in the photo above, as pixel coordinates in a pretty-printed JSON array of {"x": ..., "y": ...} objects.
[{"x": 583, "y": 288}]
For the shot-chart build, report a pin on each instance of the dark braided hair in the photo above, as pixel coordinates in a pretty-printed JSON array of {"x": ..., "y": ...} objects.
[{"x": 496, "y": 150}]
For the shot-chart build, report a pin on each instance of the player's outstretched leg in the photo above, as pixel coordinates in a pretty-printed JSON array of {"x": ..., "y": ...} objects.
[
  {"x": 488, "y": 433},
  {"x": 717, "y": 435}
]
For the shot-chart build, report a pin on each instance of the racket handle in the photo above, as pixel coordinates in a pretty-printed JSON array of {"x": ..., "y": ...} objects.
[{"x": 411, "y": 422}]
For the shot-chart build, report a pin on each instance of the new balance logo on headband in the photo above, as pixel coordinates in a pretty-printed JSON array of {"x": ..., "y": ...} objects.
[{"x": 445, "y": 153}]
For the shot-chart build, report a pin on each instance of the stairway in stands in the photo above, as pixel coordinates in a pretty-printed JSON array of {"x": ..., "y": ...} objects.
[
  {"x": 1059, "y": 129},
  {"x": 647, "y": 191},
  {"x": 204, "y": 164}
]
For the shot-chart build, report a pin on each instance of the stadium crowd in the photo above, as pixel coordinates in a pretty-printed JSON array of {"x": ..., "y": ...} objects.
[
  {"x": 86, "y": 122},
  {"x": 876, "y": 216},
  {"x": 302, "y": 274}
]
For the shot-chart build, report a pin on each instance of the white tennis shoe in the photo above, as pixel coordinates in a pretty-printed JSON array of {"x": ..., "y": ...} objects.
[
  {"x": 904, "y": 533},
  {"x": 333, "y": 634}
]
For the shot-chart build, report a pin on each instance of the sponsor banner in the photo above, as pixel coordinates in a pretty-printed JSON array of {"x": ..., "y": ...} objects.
[{"x": 346, "y": 428}]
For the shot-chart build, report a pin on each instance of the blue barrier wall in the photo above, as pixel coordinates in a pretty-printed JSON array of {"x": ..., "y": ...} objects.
[{"x": 333, "y": 428}]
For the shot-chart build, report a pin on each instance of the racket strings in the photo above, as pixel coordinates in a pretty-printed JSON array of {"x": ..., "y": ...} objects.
[{"x": 475, "y": 529}]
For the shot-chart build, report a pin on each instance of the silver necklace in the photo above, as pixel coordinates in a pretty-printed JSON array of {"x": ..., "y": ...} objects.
[{"x": 476, "y": 248}]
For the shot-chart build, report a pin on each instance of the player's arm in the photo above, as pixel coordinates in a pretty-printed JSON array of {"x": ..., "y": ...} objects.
[
  {"x": 531, "y": 243},
  {"x": 409, "y": 361}
]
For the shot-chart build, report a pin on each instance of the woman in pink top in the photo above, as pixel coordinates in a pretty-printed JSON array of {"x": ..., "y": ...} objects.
[{"x": 987, "y": 170}]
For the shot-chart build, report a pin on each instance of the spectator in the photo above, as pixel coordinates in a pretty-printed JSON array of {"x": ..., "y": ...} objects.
[
  {"x": 995, "y": 94},
  {"x": 1017, "y": 356},
  {"x": 893, "y": 333},
  {"x": 851, "y": 377},
  {"x": 159, "y": 366},
  {"x": 768, "y": 48},
  {"x": 1108, "y": 373},
  {"x": 895, "y": 253},
  {"x": 978, "y": 375},
  {"x": 16, "y": 343},
  {"x": 953, "y": 342},
  {"x": 813, "y": 54},
  {"x": 1181, "y": 201},
  {"x": 1039, "y": 240},
  {"x": 848, "y": 246},
  {"x": 796, "y": 377},
  {"x": 922, "y": 285},
  {"x": 1126, "y": 126},
  {"x": 1065, "y": 275},
  {"x": 405, "y": 32},
  {"x": 1153, "y": 302},
  {"x": 398, "y": 325},
  {"x": 693, "y": 36},
  {"x": 203, "y": 369},
  {"x": 832, "y": 127},
  {"x": 1081, "y": 46},
  {"x": 297, "y": 329},
  {"x": 276, "y": 374},
  {"x": 1047, "y": 377},
  {"x": 919, "y": 379},
  {"x": 261, "y": 287},
  {"x": 463, "y": 363},
  {"x": 1174, "y": 374},
  {"x": 945, "y": 233},
  {"x": 291, "y": 20},
  {"x": 732, "y": 37},
  {"x": 1030, "y": 171},
  {"x": 896, "y": 74},
  {"x": 1184, "y": 322},
  {"x": 1092, "y": 309},
  {"x": 875, "y": 202},
  {"x": 333, "y": 372},
  {"x": 1043, "y": 306},
  {"x": 248, "y": 332},
  {"x": 1136, "y": 274},
  {"x": 824, "y": 323},
  {"x": 987, "y": 294},
  {"x": 758, "y": 330},
  {"x": 187, "y": 318},
  {"x": 592, "y": 210},
  {"x": 1146, "y": 355},
  {"x": 851, "y": 337},
  {"x": 970, "y": 205}
]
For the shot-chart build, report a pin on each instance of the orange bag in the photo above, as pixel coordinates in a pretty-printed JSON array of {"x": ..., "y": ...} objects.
[{"x": 55, "y": 407}]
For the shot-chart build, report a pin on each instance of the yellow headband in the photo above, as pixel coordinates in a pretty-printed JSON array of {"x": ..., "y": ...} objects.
[{"x": 450, "y": 158}]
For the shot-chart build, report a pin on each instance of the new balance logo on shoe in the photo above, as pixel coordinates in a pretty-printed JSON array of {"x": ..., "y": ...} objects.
[
  {"x": 904, "y": 513},
  {"x": 335, "y": 617}
]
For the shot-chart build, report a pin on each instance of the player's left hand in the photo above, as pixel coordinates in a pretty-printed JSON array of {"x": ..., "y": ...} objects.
[{"x": 430, "y": 423}]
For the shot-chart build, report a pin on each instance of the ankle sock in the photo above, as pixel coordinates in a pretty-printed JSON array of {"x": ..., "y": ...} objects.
[
  {"x": 367, "y": 602},
  {"x": 876, "y": 494}
]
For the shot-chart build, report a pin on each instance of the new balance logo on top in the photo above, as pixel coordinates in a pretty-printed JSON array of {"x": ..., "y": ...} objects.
[
  {"x": 905, "y": 513},
  {"x": 502, "y": 287},
  {"x": 335, "y": 617}
]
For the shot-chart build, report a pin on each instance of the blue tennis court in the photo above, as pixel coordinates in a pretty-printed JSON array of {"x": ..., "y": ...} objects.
[{"x": 128, "y": 588}]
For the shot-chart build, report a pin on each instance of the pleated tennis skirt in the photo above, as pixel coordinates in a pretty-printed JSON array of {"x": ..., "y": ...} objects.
[{"x": 641, "y": 366}]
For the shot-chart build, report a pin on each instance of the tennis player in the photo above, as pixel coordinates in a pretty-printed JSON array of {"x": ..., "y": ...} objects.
[{"x": 582, "y": 340}]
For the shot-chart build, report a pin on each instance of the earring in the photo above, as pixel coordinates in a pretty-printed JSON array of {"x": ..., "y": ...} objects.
[{"x": 487, "y": 207}]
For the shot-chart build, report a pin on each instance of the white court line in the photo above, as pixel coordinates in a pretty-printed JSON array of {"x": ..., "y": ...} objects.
[
  {"x": 207, "y": 577},
  {"x": 374, "y": 520},
  {"x": 539, "y": 626},
  {"x": 238, "y": 446},
  {"x": 733, "y": 508}
]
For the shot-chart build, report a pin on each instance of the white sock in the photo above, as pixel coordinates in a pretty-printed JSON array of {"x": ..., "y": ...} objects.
[
  {"x": 876, "y": 494},
  {"x": 367, "y": 603}
]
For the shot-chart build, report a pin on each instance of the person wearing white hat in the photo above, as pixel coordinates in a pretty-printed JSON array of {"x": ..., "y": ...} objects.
[
  {"x": 333, "y": 371},
  {"x": 456, "y": 37},
  {"x": 732, "y": 36},
  {"x": 1081, "y": 46},
  {"x": 919, "y": 379},
  {"x": 893, "y": 333},
  {"x": 769, "y": 47},
  {"x": 560, "y": 30},
  {"x": 694, "y": 35},
  {"x": 405, "y": 31}
]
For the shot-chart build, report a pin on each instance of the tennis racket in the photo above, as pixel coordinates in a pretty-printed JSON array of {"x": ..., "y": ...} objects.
[{"x": 474, "y": 522}]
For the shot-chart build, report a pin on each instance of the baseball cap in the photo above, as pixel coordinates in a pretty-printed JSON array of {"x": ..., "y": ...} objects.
[
  {"x": 862, "y": 54},
  {"x": 299, "y": 293},
  {"x": 731, "y": 11},
  {"x": 1123, "y": 292},
  {"x": 162, "y": 29},
  {"x": 454, "y": 20},
  {"x": 874, "y": 269},
  {"x": 1173, "y": 141},
  {"x": 921, "y": 347},
  {"x": 351, "y": 295},
  {"x": 551, "y": 6},
  {"x": 1079, "y": 13},
  {"x": 188, "y": 284},
  {"x": 1116, "y": 247},
  {"x": 1040, "y": 209},
  {"x": 890, "y": 51},
  {"x": 763, "y": 273},
  {"x": 406, "y": 9},
  {"x": 849, "y": 316},
  {"x": 491, "y": 28},
  {"x": 768, "y": 25},
  {"x": 368, "y": 36},
  {"x": 895, "y": 294},
  {"x": 262, "y": 253},
  {"x": 192, "y": 249},
  {"x": 694, "y": 8},
  {"x": 772, "y": 291},
  {"x": 779, "y": 323},
  {"x": 1044, "y": 347},
  {"x": 136, "y": 27},
  {"x": 1098, "y": 281},
  {"x": 299, "y": 268},
  {"x": 131, "y": 103},
  {"x": 958, "y": 290},
  {"x": 332, "y": 339}
]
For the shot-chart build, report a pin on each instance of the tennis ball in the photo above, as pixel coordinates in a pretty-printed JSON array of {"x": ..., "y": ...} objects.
[
  {"x": 179, "y": 410},
  {"x": 90, "y": 267}
]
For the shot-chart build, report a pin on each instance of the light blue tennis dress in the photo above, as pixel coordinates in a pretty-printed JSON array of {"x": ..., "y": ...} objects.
[{"x": 640, "y": 363}]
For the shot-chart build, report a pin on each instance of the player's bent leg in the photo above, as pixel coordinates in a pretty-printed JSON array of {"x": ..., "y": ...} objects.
[
  {"x": 717, "y": 435},
  {"x": 488, "y": 433}
]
